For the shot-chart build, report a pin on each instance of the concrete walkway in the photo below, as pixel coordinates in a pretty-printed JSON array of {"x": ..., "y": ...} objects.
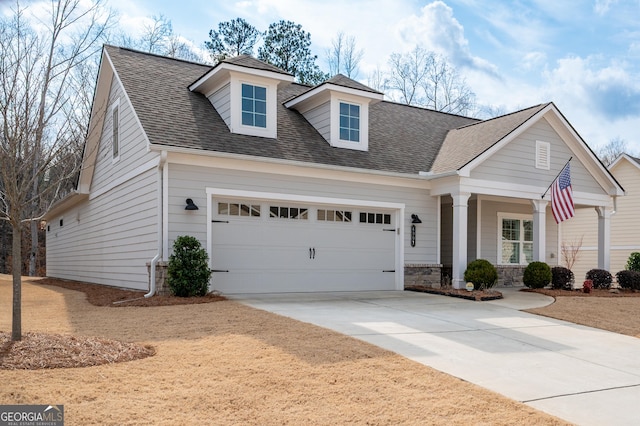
[{"x": 581, "y": 374}]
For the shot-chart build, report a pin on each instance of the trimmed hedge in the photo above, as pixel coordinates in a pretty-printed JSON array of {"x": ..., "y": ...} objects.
[
  {"x": 188, "y": 272},
  {"x": 600, "y": 277},
  {"x": 481, "y": 273},
  {"x": 561, "y": 278},
  {"x": 629, "y": 279},
  {"x": 537, "y": 275}
]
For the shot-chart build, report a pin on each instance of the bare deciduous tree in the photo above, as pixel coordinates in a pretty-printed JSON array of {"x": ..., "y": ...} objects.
[
  {"x": 570, "y": 251},
  {"x": 344, "y": 57},
  {"x": 423, "y": 78},
  {"x": 39, "y": 114},
  {"x": 609, "y": 152}
]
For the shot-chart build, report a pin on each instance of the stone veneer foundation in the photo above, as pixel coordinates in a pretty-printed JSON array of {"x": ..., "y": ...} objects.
[
  {"x": 429, "y": 275},
  {"x": 162, "y": 287}
]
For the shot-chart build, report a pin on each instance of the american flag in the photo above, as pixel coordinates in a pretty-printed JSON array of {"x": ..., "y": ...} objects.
[{"x": 562, "y": 196}]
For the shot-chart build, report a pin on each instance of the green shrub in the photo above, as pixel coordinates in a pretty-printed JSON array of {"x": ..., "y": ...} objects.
[
  {"x": 561, "y": 278},
  {"x": 481, "y": 273},
  {"x": 629, "y": 279},
  {"x": 600, "y": 278},
  {"x": 188, "y": 273},
  {"x": 633, "y": 263},
  {"x": 537, "y": 275}
]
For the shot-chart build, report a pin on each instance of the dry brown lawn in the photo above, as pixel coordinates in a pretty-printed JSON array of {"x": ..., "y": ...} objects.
[{"x": 226, "y": 363}]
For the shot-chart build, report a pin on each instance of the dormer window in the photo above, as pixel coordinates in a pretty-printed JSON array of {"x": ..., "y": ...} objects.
[
  {"x": 349, "y": 122},
  {"x": 339, "y": 110},
  {"x": 254, "y": 106}
]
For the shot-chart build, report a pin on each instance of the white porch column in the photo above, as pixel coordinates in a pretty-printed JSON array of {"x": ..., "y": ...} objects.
[
  {"x": 459, "y": 244},
  {"x": 539, "y": 229},
  {"x": 604, "y": 237}
]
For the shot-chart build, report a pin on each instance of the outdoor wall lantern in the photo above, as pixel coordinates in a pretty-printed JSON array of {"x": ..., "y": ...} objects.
[
  {"x": 191, "y": 205},
  {"x": 414, "y": 219}
]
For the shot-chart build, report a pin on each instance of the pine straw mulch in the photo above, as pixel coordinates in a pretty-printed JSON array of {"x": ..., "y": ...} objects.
[
  {"x": 596, "y": 292},
  {"x": 42, "y": 351}
]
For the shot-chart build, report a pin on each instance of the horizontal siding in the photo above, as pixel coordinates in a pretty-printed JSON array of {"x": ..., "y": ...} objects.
[
  {"x": 109, "y": 239},
  {"x": 515, "y": 162},
  {"x": 221, "y": 101},
  {"x": 133, "y": 145},
  {"x": 191, "y": 182},
  {"x": 320, "y": 119}
]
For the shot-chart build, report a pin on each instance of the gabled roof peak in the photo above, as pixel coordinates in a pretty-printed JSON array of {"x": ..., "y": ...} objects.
[{"x": 249, "y": 61}]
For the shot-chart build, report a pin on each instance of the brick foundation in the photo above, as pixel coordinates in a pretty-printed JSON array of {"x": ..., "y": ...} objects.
[
  {"x": 423, "y": 274},
  {"x": 162, "y": 286}
]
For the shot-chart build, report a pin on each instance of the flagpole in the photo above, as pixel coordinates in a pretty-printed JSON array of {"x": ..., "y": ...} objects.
[{"x": 561, "y": 170}]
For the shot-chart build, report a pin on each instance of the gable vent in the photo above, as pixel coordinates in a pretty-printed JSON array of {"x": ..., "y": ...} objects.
[{"x": 543, "y": 155}]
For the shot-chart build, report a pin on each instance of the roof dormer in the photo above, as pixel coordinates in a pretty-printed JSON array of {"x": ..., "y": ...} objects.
[
  {"x": 339, "y": 111},
  {"x": 243, "y": 90}
]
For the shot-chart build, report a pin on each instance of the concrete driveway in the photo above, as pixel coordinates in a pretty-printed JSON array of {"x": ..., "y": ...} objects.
[{"x": 581, "y": 374}]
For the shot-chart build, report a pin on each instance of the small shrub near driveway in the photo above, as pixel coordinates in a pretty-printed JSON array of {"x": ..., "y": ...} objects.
[
  {"x": 633, "y": 263},
  {"x": 600, "y": 277},
  {"x": 561, "y": 278},
  {"x": 188, "y": 272},
  {"x": 537, "y": 275},
  {"x": 629, "y": 279},
  {"x": 482, "y": 274}
]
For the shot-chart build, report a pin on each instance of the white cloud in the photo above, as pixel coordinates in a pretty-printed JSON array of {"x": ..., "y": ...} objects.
[
  {"x": 438, "y": 30},
  {"x": 601, "y": 7}
]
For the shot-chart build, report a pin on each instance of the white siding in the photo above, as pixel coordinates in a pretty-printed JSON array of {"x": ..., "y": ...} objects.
[
  {"x": 109, "y": 238},
  {"x": 516, "y": 162},
  {"x": 320, "y": 118},
  {"x": 221, "y": 101},
  {"x": 191, "y": 182}
]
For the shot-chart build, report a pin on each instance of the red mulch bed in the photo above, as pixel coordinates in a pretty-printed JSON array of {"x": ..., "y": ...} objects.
[
  {"x": 102, "y": 295},
  {"x": 477, "y": 295}
]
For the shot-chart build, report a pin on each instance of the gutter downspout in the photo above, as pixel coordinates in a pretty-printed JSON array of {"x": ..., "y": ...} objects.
[{"x": 158, "y": 256}]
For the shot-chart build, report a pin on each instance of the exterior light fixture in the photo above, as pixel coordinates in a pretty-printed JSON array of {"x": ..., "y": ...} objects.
[
  {"x": 191, "y": 205},
  {"x": 415, "y": 219}
]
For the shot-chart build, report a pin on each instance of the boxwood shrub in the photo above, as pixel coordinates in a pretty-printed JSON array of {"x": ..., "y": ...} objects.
[
  {"x": 561, "y": 278},
  {"x": 629, "y": 279},
  {"x": 537, "y": 275},
  {"x": 600, "y": 277},
  {"x": 188, "y": 272},
  {"x": 481, "y": 273}
]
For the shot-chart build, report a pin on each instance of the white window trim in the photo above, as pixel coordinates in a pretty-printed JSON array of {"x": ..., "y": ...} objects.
[
  {"x": 517, "y": 216},
  {"x": 540, "y": 147},
  {"x": 363, "y": 144},
  {"x": 116, "y": 105},
  {"x": 237, "y": 80},
  {"x": 349, "y": 127}
]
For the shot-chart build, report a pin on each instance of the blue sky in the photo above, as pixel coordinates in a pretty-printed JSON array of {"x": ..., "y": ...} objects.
[{"x": 584, "y": 55}]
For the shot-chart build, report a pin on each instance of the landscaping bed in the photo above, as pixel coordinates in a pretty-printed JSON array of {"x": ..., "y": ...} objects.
[{"x": 477, "y": 295}]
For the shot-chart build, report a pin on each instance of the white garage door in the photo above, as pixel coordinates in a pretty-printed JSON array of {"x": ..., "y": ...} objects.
[{"x": 270, "y": 247}]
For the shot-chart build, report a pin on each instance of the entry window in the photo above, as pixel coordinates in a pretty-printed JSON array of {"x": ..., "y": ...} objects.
[
  {"x": 377, "y": 218},
  {"x": 334, "y": 215},
  {"x": 282, "y": 212},
  {"x": 254, "y": 105},
  {"x": 238, "y": 209},
  {"x": 516, "y": 245}
]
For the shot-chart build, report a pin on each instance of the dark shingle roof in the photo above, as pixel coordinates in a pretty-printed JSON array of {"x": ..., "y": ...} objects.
[
  {"x": 344, "y": 81},
  {"x": 466, "y": 143},
  {"x": 402, "y": 139},
  {"x": 251, "y": 62}
]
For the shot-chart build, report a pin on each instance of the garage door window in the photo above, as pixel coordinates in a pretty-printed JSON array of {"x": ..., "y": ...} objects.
[
  {"x": 282, "y": 212},
  {"x": 238, "y": 209},
  {"x": 378, "y": 218},
  {"x": 334, "y": 215}
]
